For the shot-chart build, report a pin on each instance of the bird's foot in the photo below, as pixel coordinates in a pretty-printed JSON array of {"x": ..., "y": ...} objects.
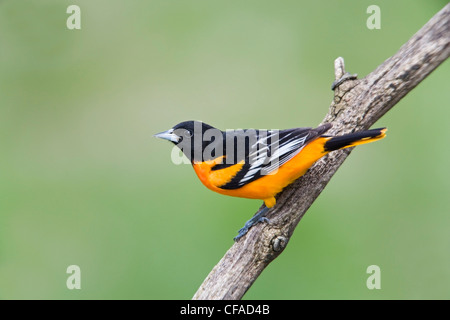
[{"x": 258, "y": 217}]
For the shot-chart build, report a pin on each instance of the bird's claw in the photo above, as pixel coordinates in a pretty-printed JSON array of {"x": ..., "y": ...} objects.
[{"x": 259, "y": 217}]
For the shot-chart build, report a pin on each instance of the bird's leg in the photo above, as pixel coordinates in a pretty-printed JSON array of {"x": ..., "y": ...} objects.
[
  {"x": 345, "y": 77},
  {"x": 260, "y": 216}
]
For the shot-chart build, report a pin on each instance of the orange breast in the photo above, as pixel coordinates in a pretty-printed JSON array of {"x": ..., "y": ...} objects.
[{"x": 212, "y": 179}]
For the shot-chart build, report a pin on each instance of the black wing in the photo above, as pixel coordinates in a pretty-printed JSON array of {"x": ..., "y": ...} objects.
[{"x": 271, "y": 150}]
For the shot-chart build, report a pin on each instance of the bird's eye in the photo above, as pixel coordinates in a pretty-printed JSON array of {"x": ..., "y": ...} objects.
[{"x": 187, "y": 134}]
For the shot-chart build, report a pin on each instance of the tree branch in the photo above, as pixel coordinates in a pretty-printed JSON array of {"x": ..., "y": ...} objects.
[{"x": 356, "y": 106}]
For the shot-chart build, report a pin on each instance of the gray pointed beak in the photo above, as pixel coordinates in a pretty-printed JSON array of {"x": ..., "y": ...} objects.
[{"x": 168, "y": 135}]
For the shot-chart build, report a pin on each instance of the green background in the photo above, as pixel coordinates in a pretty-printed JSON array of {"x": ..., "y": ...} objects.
[{"x": 82, "y": 180}]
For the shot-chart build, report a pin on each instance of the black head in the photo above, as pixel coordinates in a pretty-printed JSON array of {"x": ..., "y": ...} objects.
[{"x": 192, "y": 137}]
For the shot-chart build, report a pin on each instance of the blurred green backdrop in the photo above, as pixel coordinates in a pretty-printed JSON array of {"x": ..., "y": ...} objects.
[{"x": 83, "y": 181}]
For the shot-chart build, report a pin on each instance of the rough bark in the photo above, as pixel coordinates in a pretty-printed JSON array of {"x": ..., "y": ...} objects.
[{"x": 356, "y": 106}]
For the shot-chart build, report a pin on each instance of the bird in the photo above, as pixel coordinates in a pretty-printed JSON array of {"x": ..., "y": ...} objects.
[{"x": 257, "y": 164}]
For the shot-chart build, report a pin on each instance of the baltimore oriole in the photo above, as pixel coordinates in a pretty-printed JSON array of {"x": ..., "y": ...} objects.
[{"x": 257, "y": 164}]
